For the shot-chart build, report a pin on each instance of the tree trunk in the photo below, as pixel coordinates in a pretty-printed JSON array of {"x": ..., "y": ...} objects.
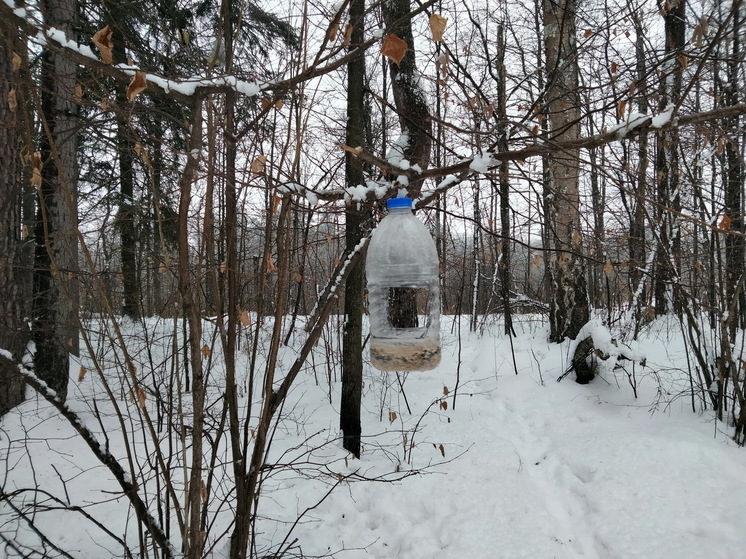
[
  {"x": 569, "y": 306},
  {"x": 410, "y": 100},
  {"x": 356, "y": 216},
  {"x": 56, "y": 283},
  {"x": 14, "y": 333},
  {"x": 667, "y": 160}
]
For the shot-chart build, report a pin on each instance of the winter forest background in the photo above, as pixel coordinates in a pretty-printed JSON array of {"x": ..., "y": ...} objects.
[{"x": 186, "y": 194}]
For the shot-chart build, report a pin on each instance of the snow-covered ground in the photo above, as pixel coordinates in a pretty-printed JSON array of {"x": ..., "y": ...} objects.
[{"x": 489, "y": 463}]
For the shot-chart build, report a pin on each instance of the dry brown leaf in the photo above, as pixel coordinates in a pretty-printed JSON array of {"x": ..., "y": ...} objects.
[
  {"x": 279, "y": 104},
  {"x": 276, "y": 200},
  {"x": 442, "y": 450},
  {"x": 270, "y": 265},
  {"x": 12, "y": 102},
  {"x": 15, "y": 62},
  {"x": 614, "y": 67},
  {"x": 392, "y": 416},
  {"x": 576, "y": 238},
  {"x": 587, "y": 33},
  {"x": 266, "y": 104},
  {"x": 443, "y": 405},
  {"x": 102, "y": 39},
  {"x": 437, "y": 27},
  {"x": 36, "y": 169},
  {"x": 445, "y": 391},
  {"x": 203, "y": 490},
  {"x": 347, "y": 36},
  {"x": 621, "y": 108},
  {"x": 245, "y": 318},
  {"x": 82, "y": 373},
  {"x": 137, "y": 85},
  {"x": 394, "y": 48},
  {"x": 141, "y": 397},
  {"x": 257, "y": 166},
  {"x": 331, "y": 33},
  {"x": 206, "y": 351},
  {"x": 725, "y": 222}
]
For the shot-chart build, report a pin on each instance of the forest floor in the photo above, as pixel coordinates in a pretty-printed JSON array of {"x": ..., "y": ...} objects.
[{"x": 487, "y": 456}]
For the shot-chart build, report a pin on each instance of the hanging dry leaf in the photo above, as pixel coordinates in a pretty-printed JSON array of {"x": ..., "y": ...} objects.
[
  {"x": 445, "y": 391},
  {"x": 621, "y": 109},
  {"x": 206, "y": 351},
  {"x": 331, "y": 33},
  {"x": 442, "y": 450},
  {"x": 137, "y": 85},
  {"x": 437, "y": 27},
  {"x": 104, "y": 104},
  {"x": 276, "y": 200},
  {"x": 257, "y": 166},
  {"x": 245, "y": 318},
  {"x": 392, "y": 416},
  {"x": 394, "y": 48},
  {"x": 270, "y": 265},
  {"x": 102, "y": 39},
  {"x": 203, "y": 490},
  {"x": 266, "y": 104},
  {"x": 443, "y": 405},
  {"x": 141, "y": 397},
  {"x": 406, "y": 439},
  {"x": 576, "y": 238},
  {"x": 36, "y": 169},
  {"x": 725, "y": 222},
  {"x": 347, "y": 36},
  {"x": 142, "y": 153},
  {"x": 614, "y": 67},
  {"x": 12, "y": 102},
  {"x": 15, "y": 62},
  {"x": 587, "y": 33},
  {"x": 82, "y": 374},
  {"x": 279, "y": 104},
  {"x": 608, "y": 268}
]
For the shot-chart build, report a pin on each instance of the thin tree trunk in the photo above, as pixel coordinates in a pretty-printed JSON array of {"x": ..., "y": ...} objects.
[
  {"x": 56, "y": 284},
  {"x": 356, "y": 215},
  {"x": 667, "y": 160}
]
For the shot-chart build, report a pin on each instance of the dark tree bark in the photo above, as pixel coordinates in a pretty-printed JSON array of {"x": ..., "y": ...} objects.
[
  {"x": 734, "y": 244},
  {"x": 415, "y": 123},
  {"x": 56, "y": 283},
  {"x": 569, "y": 305},
  {"x": 411, "y": 104},
  {"x": 356, "y": 217},
  {"x": 667, "y": 159},
  {"x": 14, "y": 334}
]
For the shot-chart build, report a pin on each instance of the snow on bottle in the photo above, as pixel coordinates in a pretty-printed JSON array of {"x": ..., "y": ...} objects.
[{"x": 403, "y": 292}]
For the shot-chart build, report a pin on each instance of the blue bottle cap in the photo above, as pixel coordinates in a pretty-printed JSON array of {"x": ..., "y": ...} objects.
[{"x": 399, "y": 203}]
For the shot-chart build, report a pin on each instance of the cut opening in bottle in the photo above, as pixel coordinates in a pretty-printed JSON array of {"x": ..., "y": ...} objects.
[{"x": 408, "y": 307}]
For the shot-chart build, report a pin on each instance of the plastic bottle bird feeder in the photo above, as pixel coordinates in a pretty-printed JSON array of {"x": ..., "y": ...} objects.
[{"x": 403, "y": 293}]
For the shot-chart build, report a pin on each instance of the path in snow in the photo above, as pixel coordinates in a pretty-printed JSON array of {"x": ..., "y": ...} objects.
[{"x": 548, "y": 471}]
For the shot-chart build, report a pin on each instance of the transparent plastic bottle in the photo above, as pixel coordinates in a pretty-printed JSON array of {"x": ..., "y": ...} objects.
[{"x": 403, "y": 293}]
